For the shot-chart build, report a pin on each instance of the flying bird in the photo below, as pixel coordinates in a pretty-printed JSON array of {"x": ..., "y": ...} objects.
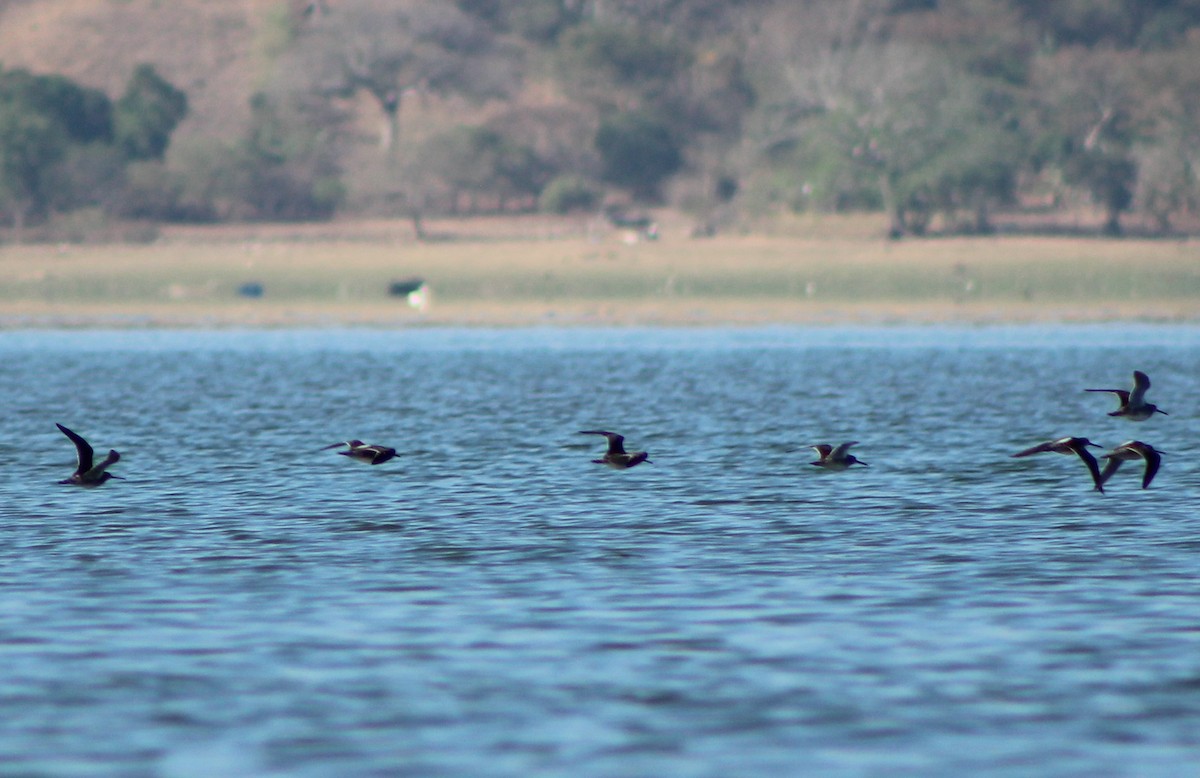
[
  {"x": 616, "y": 457},
  {"x": 357, "y": 450},
  {"x": 1077, "y": 446},
  {"x": 838, "y": 458},
  {"x": 1129, "y": 450},
  {"x": 87, "y": 472},
  {"x": 1133, "y": 404}
]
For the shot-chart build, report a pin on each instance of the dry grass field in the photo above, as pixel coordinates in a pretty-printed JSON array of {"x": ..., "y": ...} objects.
[{"x": 540, "y": 272}]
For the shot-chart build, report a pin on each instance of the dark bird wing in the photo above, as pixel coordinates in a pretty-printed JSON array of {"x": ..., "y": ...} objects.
[
  {"x": 112, "y": 458},
  {"x": 1153, "y": 460},
  {"x": 1041, "y": 447},
  {"x": 1121, "y": 394},
  {"x": 83, "y": 449},
  {"x": 1110, "y": 467},
  {"x": 347, "y": 443},
  {"x": 823, "y": 450},
  {"x": 841, "y": 450},
  {"x": 382, "y": 454},
  {"x": 1092, "y": 467},
  {"x": 1141, "y": 382},
  {"x": 616, "y": 443}
]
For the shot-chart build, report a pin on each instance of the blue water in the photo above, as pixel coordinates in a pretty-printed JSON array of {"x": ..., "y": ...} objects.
[{"x": 492, "y": 604}]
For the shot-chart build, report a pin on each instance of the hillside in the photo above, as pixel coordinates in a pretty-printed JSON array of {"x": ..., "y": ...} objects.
[
  {"x": 208, "y": 49},
  {"x": 950, "y": 117}
]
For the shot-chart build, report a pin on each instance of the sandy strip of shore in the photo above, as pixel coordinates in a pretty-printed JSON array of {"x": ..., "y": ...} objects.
[{"x": 571, "y": 313}]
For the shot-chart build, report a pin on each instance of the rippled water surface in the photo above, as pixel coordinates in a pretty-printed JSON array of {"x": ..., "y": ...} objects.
[{"x": 491, "y": 603}]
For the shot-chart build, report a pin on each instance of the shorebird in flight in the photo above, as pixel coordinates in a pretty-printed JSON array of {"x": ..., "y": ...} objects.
[
  {"x": 357, "y": 450},
  {"x": 616, "y": 456},
  {"x": 1077, "y": 446},
  {"x": 838, "y": 458},
  {"x": 1132, "y": 449},
  {"x": 1133, "y": 404},
  {"x": 88, "y": 472}
]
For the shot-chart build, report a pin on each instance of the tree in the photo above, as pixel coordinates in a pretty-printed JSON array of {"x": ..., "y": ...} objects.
[
  {"x": 64, "y": 146},
  {"x": 147, "y": 114},
  {"x": 683, "y": 71},
  {"x": 29, "y": 143},
  {"x": 480, "y": 161},
  {"x": 41, "y": 117},
  {"x": 621, "y": 66},
  {"x": 1089, "y": 118},
  {"x": 898, "y": 119},
  {"x": 637, "y": 151},
  {"x": 868, "y": 111},
  {"x": 1168, "y": 153},
  {"x": 85, "y": 114},
  {"x": 392, "y": 49}
]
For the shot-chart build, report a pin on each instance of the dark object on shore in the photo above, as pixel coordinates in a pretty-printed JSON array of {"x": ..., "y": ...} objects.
[
  {"x": 251, "y": 289},
  {"x": 405, "y": 287}
]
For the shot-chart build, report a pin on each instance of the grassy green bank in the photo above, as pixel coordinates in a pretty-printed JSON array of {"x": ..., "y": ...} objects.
[{"x": 582, "y": 279}]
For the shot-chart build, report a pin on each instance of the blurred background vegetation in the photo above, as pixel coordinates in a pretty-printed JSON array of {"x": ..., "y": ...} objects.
[{"x": 949, "y": 116}]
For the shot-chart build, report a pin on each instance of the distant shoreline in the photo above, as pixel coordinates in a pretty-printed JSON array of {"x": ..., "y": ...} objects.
[
  {"x": 827, "y": 272},
  {"x": 692, "y": 313}
]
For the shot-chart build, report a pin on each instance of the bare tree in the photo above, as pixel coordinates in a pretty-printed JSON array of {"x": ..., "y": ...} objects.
[
  {"x": 390, "y": 50},
  {"x": 1089, "y": 98}
]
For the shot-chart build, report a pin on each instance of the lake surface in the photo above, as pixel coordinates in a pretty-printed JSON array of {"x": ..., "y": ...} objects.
[{"x": 491, "y": 603}]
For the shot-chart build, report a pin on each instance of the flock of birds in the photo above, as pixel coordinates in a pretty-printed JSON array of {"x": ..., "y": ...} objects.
[
  {"x": 89, "y": 472},
  {"x": 1134, "y": 408}
]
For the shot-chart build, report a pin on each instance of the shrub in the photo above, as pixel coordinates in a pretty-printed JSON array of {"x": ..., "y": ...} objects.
[
  {"x": 638, "y": 152},
  {"x": 568, "y": 193}
]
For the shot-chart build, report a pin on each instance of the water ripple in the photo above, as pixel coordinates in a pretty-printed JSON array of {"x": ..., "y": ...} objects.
[{"x": 491, "y": 603}]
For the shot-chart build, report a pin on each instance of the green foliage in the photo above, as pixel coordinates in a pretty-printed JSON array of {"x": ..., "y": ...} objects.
[
  {"x": 825, "y": 170},
  {"x": 29, "y": 143},
  {"x": 541, "y": 21},
  {"x": 1122, "y": 22},
  {"x": 284, "y": 169},
  {"x": 599, "y": 58},
  {"x": 1109, "y": 176},
  {"x": 154, "y": 192},
  {"x": 569, "y": 193},
  {"x": 534, "y": 20},
  {"x": 638, "y": 152},
  {"x": 915, "y": 138},
  {"x": 86, "y": 176},
  {"x": 147, "y": 114},
  {"x": 65, "y": 147},
  {"x": 481, "y": 161},
  {"x": 84, "y": 114},
  {"x": 924, "y": 108}
]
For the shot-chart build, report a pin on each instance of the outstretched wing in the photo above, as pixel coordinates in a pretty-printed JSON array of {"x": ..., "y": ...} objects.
[
  {"x": 1092, "y": 467},
  {"x": 616, "y": 443},
  {"x": 1121, "y": 394},
  {"x": 1153, "y": 460},
  {"x": 1141, "y": 382},
  {"x": 82, "y": 448},
  {"x": 1110, "y": 467},
  {"x": 1043, "y": 447},
  {"x": 823, "y": 449},
  {"x": 381, "y": 454},
  {"x": 840, "y": 451},
  {"x": 347, "y": 443},
  {"x": 112, "y": 458}
]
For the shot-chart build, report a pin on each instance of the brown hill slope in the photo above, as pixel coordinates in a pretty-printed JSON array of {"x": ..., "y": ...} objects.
[{"x": 210, "y": 49}]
